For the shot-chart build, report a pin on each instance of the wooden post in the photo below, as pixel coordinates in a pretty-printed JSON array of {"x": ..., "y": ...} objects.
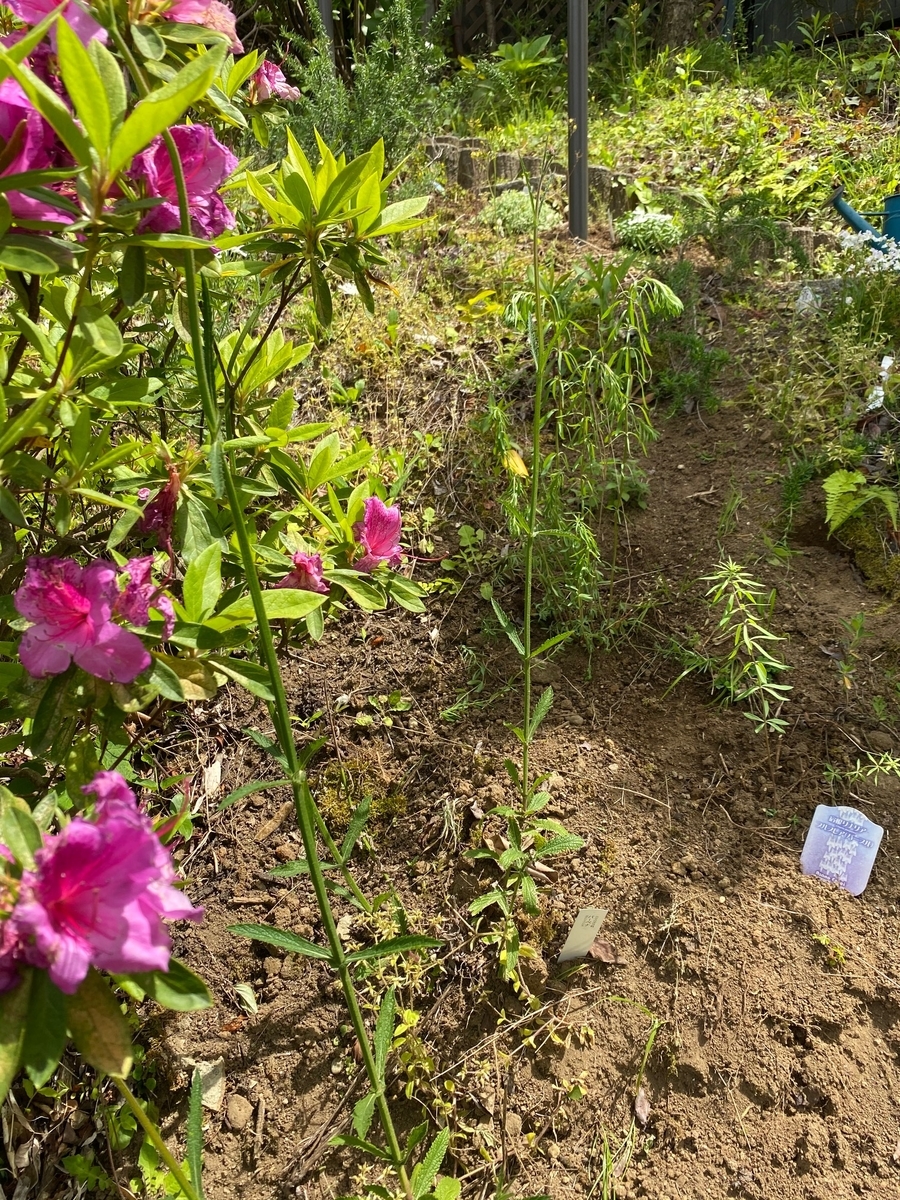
[{"x": 578, "y": 119}]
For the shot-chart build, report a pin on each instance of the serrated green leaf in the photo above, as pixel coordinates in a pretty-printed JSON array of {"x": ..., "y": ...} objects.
[
  {"x": 395, "y": 945},
  {"x": 282, "y": 939}
]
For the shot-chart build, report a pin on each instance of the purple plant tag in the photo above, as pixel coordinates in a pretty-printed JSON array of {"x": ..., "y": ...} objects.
[{"x": 841, "y": 846}]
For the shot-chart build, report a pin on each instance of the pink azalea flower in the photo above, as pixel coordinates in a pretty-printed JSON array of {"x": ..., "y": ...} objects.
[
  {"x": 159, "y": 515},
  {"x": 79, "y": 20},
  {"x": 212, "y": 14},
  {"x": 306, "y": 575},
  {"x": 141, "y": 594},
  {"x": 98, "y": 895},
  {"x": 268, "y": 83},
  {"x": 27, "y": 143},
  {"x": 71, "y": 609},
  {"x": 379, "y": 535},
  {"x": 206, "y": 163}
]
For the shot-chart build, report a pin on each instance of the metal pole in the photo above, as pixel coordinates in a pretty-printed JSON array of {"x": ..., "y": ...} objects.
[
  {"x": 327, "y": 17},
  {"x": 578, "y": 119}
]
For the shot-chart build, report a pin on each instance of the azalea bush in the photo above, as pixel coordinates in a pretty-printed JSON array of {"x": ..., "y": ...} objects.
[{"x": 160, "y": 504}]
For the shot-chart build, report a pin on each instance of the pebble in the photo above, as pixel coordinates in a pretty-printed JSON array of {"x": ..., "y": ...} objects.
[{"x": 238, "y": 1112}]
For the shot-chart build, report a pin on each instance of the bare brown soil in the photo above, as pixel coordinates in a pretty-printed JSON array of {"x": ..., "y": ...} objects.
[{"x": 776, "y": 1073}]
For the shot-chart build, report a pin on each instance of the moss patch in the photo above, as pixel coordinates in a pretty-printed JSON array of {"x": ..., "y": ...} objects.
[
  {"x": 876, "y": 553},
  {"x": 342, "y": 787}
]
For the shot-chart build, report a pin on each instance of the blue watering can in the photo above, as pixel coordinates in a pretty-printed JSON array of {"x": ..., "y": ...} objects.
[{"x": 890, "y": 231}]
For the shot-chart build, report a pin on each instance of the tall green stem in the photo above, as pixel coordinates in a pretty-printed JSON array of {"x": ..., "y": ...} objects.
[
  {"x": 154, "y": 1135},
  {"x": 281, "y": 718},
  {"x": 540, "y": 361}
]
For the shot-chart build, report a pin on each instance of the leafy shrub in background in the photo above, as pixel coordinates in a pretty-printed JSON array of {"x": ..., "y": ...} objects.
[
  {"x": 512, "y": 213},
  {"x": 393, "y": 95},
  {"x": 648, "y": 232},
  {"x": 514, "y": 83}
]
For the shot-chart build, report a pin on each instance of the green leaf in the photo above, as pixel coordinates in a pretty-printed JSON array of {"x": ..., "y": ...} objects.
[
  {"x": 250, "y": 675},
  {"x": 282, "y": 939},
  {"x": 26, "y": 258},
  {"x": 18, "y": 831},
  {"x": 395, "y": 945},
  {"x": 530, "y": 895},
  {"x": 45, "y": 1032},
  {"x": 85, "y": 88},
  {"x": 450, "y": 1189},
  {"x": 365, "y": 594},
  {"x": 250, "y": 789},
  {"x": 508, "y": 628},
  {"x": 98, "y": 1028},
  {"x": 110, "y": 74},
  {"x": 133, "y": 275},
  {"x": 395, "y": 218},
  {"x": 148, "y": 43},
  {"x": 203, "y": 583},
  {"x": 177, "y": 989},
  {"x": 100, "y": 330},
  {"x": 10, "y": 508},
  {"x": 482, "y": 902},
  {"x": 564, "y": 844},
  {"x": 321, "y": 294},
  {"x": 164, "y": 106},
  {"x": 13, "y": 1015},
  {"x": 540, "y": 711},
  {"x": 279, "y": 604},
  {"x": 406, "y": 593},
  {"x": 425, "y": 1172},
  {"x": 164, "y": 679},
  {"x": 12, "y": 432},
  {"x": 194, "y": 1137},
  {"x": 363, "y": 1112},
  {"x": 355, "y": 828},
  {"x": 384, "y": 1033},
  {"x": 550, "y": 643}
]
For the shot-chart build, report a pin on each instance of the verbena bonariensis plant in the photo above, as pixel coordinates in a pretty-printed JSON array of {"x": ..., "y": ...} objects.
[{"x": 134, "y": 413}]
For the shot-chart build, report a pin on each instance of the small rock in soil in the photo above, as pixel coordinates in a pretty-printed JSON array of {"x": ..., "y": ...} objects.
[{"x": 238, "y": 1112}]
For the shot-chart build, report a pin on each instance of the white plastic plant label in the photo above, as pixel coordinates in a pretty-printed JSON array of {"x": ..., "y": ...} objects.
[
  {"x": 582, "y": 934},
  {"x": 841, "y": 846}
]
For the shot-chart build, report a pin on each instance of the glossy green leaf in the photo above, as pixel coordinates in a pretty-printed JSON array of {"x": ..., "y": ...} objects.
[
  {"x": 250, "y": 675},
  {"x": 133, "y": 275},
  {"x": 164, "y": 107},
  {"x": 363, "y": 593},
  {"x": 85, "y": 88},
  {"x": 45, "y": 1031},
  {"x": 13, "y": 1015},
  {"x": 177, "y": 989},
  {"x": 148, "y": 43},
  {"x": 18, "y": 831},
  {"x": 279, "y": 604},
  {"x": 98, "y": 1028},
  {"x": 203, "y": 583}
]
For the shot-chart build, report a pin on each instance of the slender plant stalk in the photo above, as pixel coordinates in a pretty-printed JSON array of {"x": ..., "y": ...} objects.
[
  {"x": 303, "y": 800},
  {"x": 539, "y": 351},
  {"x": 155, "y": 1137}
]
